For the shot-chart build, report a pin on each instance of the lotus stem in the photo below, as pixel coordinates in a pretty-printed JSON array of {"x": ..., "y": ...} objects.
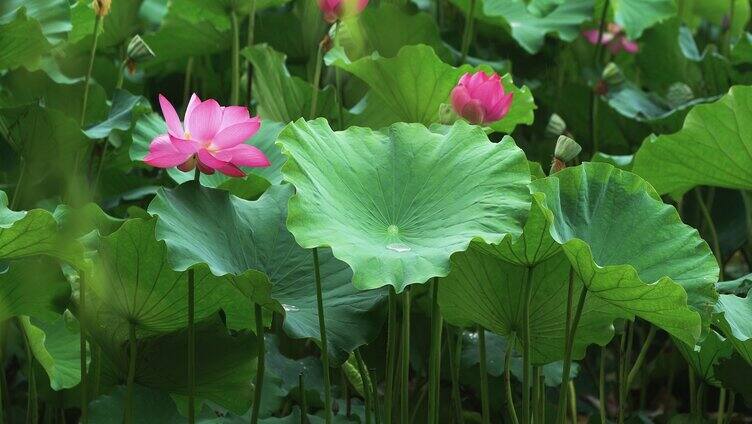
[
  {"x": 602, "y": 386},
  {"x": 324, "y": 345},
  {"x": 536, "y": 394},
  {"x": 468, "y": 33},
  {"x": 418, "y": 402},
  {"x": 508, "y": 379},
  {"x": 454, "y": 357},
  {"x": 692, "y": 390},
  {"x": 572, "y": 401},
  {"x": 121, "y": 76},
  {"x": 714, "y": 240},
  {"x": 2, "y": 384},
  {"x": 303, "y": 400},
  {"x": 405, "y": 358},
  {"x": 434, "y": 371},
  {"x": 317, "y": 78},
  {"x": 596, "y": 64},
  {"x": 527, "y": 299},
  {"x": 701, "y": 399},
  {"x": 730, "y": 411},
  {"x": 250, "y": 42},
  {"x": 720, "y": 416},
  {"x": 567, "y": 330},
  {"x": 191, "y": 347},
  {"x": 260, "y": 363},
  {"x": 624, "y": 348},
  {"x": 485, "y": 405},
  {"x": 131, "y": 373},
  {"x": 570, "y": 342},
  {"x": 367, "y": 390},
  {"x": 641, "y": 356},
  {"x": 391, "y": 357},
  {"x": 82, "y": 347},
  {"x": 92, "y": 54},
  {"x": 338, "y": 81},
  {"x": 235, "y": 77},
  {"x": 32, "y": 413},
  {"x": 187, "y": 80}
]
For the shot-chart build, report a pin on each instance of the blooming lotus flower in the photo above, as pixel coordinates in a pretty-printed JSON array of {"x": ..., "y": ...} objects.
[
  {"x": 480, "y": 98},
  {"x": 334, "y": 10},
  {"x": 614, "y": 38},
  {"x": 211, "y": 137}
]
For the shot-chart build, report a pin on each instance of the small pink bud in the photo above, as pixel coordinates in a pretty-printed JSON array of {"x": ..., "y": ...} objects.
[
  {"x": 480, "y": 98},
  {"x": 335, "y": 10}
]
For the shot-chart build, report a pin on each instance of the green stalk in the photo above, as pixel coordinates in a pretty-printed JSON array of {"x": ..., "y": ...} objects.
[
  {"x": 121, "y": 76},
  {"x": 251, "y": 34},
  {"x": 235, "y": 77},
  {"x": 191, "y": 346},
  {"x": 720, "y": 416},
  {"x": 391, "y": 357},
  {"x": 418, "y": 403},
  {"x": 485, "y": 405},
  {"x": 375, "y": 397},
  {"x": 187, "y": 81},
  {"x": 602, "y": 386},
  {"x": 714, "y": 240},
  {"x": 542, "y": 406},
  {"x": 454, "y": 357},
  {"x": 567, "y": 330},
  {"x": 730, "y": 410},
  {"x": 363, "y": 371},
  {"x": 405, "y": 358},
  {"x": 32, "y": 407},
  {"x": 338, "y": 81},
  {"x": 527, "y": 296},
  {"x": 324, "y": 346},
  {"x": 508, "y": 379},
  {"x": 2, "y": 379},
  {"x": 317, "y": 79},
  {"x": 596, "y": 64},
  {"x": 92, "y": 54},
  {"x": 701, "y": 400},
  {"x": 303, "y": 400},
  {"x": 467, "y": 35},
  {"x": 692, "y": 391},
  {"x": 131, "y": 373},
  {"x": 260, "y": 363},
  {"x": 434, "y": 370},
  {"x": 570, "y": 345},
  {"x": 82, "y": 346},
  {"x": 572, "y": 401},
  {"x": 536, "y": 393},
  {"x": 641, "y": 356}
]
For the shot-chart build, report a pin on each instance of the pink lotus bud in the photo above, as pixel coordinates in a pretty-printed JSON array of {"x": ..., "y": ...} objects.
[
  {"x": 613, "y": 38},
  {"x": 335, "y": 10},
  {"x": 480, "y": 98}
]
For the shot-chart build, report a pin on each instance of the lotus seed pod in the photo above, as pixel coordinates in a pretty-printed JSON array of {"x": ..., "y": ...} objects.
[
  {"x": 679, "y": 94},
  {"x": 566, "y": 149},
  {"x": 101, "y": 7},
  {"x": 612, "y": 74},
  {"x": 556, "y": 125},
  {"x": 138, "y": 50}
]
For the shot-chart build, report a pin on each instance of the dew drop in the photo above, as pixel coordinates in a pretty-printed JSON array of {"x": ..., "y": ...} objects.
[
  {"x": 398, "y": 247},
  {"x": 290, "y": 308}
]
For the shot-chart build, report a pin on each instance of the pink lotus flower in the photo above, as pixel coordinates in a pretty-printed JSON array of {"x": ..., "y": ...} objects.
[
  {"x": 334, "y": 10},
  {"x": 481, "y": 98},
  {"x": 212, "y": 138},
  {"x": 614, "y": 38}
]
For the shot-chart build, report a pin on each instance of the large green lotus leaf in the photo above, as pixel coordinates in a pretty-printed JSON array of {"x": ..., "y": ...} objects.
[
  {"x": 530, "y": 29},
  {"x": 736, "y": 324},
  {"x": 635, "y": 16},
  {"x": 150, "y": 125},
  {"x": 22, "y": 41},
  {"x": 282, "y": 97},
  {"x": 150, "y": 406},
  {"x": 242, "y": 235},
  {"x": 55, "y": 345},
  {"x": 495, "y": 349},
  {"x": 202, "y": 25},
  {"x": 119, "y": 116},
  {"x": 414, "y": 84},
  {"x": 47, "y": 139},
  {"x": 713, "y": 349},
  {"x": 630, "y": 248},
  {"x": 485, "y": 290},
  {"x": 714, "y": 148},
  {"x": 225, "y": 363},
  {"x": 25, "y": 87},
  {"x": 132, "y": 282},
  {"x": 33, "y": 286},
  {"x": 365, "y": 33},
  {"x": 34, "y": 232},
  {"x": 53, "y": 15},
  {"x": 396, "y": 204}
]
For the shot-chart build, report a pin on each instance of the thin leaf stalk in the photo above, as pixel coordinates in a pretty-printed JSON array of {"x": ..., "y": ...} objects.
[
  {"x": 131, "y": 373},
  {"x": 569, "y": 342},
  {"x": 527, "y": 299},
  {"x": 32, "y": 402},
  {"x": 260, "y": 363},
  {"x": 536, "y": 393},
  {"x": 235, "y": 60},
  {"x": 508, "y": 379},
  {"x": 720, "y": 417},
  {"x": 454, "y": 358},
  {"x": 596, "y": 64},
  {"x": 714, "y": 239},
  {"x": 484, "y": 398},
  {"x": 82, "y": 326},
  {"x": 303, "y": 400},
  {"x": 324, "y": 345},
  {"x": 434, "y": 371},
  {"x": 317, "y": 78},
  {"x": 90, "y": 67},
  {"x": 191, "y": 346},
  {"x": 250, "y": 41},
  {"x": 338, "y": 82},
  {"x": 367, "y": 391},
  {"x": 467, "y": 34},
  {"x": 405, "y": 358},
  {"x": 602, "y": 385},
  {"x": 391, "y": 357}
]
